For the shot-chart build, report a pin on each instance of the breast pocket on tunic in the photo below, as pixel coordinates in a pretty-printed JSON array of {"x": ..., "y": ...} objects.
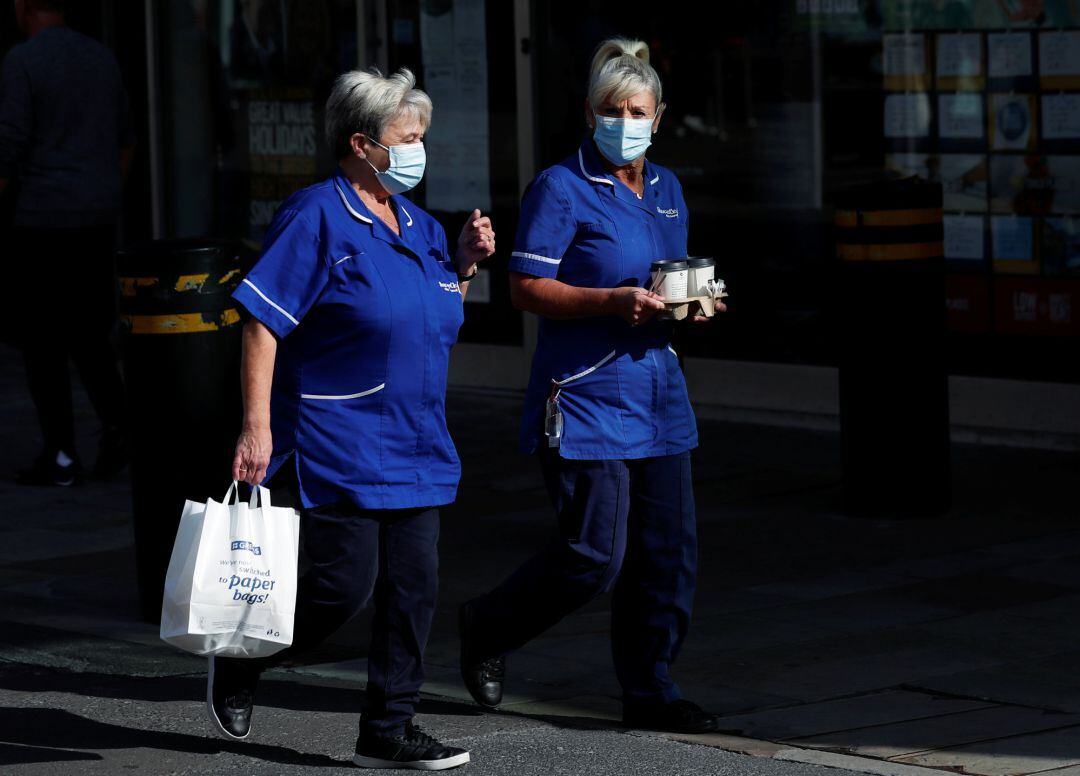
[{"x": 594, "y": 259}]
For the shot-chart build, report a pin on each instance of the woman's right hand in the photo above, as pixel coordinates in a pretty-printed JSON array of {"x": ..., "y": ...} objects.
[
  {"x": 253, "y": 450},
  {"x": 635, "y": 305}
]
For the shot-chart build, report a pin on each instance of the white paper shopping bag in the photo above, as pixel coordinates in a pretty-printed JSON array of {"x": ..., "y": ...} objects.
[{"x": 231, "y": 584}]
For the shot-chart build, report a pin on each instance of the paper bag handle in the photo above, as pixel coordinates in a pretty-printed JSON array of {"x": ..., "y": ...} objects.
[{"x": 260, "y": 496}]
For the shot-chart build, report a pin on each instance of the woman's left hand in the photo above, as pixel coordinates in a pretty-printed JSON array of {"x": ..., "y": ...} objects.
[{"x": 475, "y": 243}]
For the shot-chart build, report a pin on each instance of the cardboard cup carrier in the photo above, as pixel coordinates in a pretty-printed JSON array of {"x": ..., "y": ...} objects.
[{"x": 688, "y": 286}]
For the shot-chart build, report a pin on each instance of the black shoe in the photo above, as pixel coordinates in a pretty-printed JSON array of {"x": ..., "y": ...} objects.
[
  {"x": 483, "y": 678},
  {"x": 230, "y": 696},
  {"x": 412, "y": 749},
  {"x": 46, "y": 471},
  {"x": 679, "y": 716},
  {"x": 112, "y": 454}
]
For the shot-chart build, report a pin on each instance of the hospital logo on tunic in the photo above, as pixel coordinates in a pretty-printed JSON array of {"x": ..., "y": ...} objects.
[{"x": 453, "y": 287}]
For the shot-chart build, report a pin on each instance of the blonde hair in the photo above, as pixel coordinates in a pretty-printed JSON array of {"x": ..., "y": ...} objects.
[
  {"x": 620, "y": 69},
  {"x": 365, "y": 101}
]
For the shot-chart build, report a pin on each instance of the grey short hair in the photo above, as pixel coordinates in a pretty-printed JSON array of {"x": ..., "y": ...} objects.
[
  {"x": 620, "y": 69},
  {"x": 366, "y": 101}
]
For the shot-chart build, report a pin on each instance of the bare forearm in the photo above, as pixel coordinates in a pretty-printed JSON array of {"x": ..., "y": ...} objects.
[
  {"x": 257, "y": 374},
  {"x": 557, "y": 300}
]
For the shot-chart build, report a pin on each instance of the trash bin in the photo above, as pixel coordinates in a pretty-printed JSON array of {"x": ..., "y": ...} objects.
[
  {"x": 894, "y": 399},
  {"x": 181, "y": 354}
]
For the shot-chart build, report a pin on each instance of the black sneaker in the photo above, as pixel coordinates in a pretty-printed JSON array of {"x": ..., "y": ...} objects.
[
  {"x": 483, "y": 678},
  {"x": 679, "y": 716},
  {"x": 46, "y": 471},
  {"x": 230, "y": 696},
  {"x": 413, "y": 749},
  {"x": 112, "y": 454}
]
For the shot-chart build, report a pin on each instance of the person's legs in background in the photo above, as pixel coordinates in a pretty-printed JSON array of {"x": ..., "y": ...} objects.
[
  {"x": 67, "y": 288},
  {"x": 45, "y": 293},
  {"x": 92, "y": 347}
]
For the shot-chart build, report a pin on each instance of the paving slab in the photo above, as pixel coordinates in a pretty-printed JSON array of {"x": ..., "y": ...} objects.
[
  {"x": 813, "y": 719},
  {"x": 1007, "y": 756},
  {"x": 914, "y": 736}
]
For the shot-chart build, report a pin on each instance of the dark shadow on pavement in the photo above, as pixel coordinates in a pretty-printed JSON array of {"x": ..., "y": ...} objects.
[
  {"x": 57, "y": 729},
  {"x": 24, "y": 755}
]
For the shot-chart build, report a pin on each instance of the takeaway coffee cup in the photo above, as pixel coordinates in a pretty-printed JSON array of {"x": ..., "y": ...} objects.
[
  {"x": 700, "y": 279},
  {"x": 670, "y": 279}
]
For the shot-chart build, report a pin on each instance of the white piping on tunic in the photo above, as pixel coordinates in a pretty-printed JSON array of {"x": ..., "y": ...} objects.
[
  {"x": 345, "y": 258},
  {"x": 588, "y": 371},
  {"x": 270, "y": 302},
  {"x": 406, "y": 212},
  {"x": 368, "y": 392},
  {"x": 654, "y": 180},
  {"x": 535, "y": 257},
  {"x": 673, "y": 351},
  {"x": 581, "y": 162},
  {"x": 348, "y": 206}
]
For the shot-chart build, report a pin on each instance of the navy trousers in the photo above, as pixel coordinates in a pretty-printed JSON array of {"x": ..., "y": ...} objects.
[
  {"x": 386, "y": 557},
  {"x": 623, "y": 525}
]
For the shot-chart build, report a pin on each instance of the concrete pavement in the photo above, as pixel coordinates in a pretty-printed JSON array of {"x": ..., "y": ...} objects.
[{"x": 877, "y": 646}]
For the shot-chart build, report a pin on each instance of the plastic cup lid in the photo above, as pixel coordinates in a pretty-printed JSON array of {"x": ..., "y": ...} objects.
[
  {"x": 697, "y": 262},
  {"x": 669, "y": 265}
]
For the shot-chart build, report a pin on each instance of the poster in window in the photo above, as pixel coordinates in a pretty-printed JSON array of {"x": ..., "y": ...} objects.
[
  {"x": 1059, "y": 59},
  {"x": 959, "y": 62},
  {"x": 904, "y": 61},
  {"x": 1010, "y": 60},
  {"x": 1012, "y": 122},
  {"x": 961, "y": 122},
  {"x": 1060, "y": 122},
  {"x": 907, "y": 116},
  {"x": 456, "y": 78},
  {"x": 965, "y": 237},
  {"x": 1012, "y": 244}
]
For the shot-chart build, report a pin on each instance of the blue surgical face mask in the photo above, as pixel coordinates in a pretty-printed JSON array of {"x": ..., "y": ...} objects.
[
  {"x": 406, "y": 168},
  {"x": 621, "y": 141}
]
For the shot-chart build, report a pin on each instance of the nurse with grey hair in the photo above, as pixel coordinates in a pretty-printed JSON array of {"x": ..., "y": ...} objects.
[
  {"x": 353, "y": 308},
  {"x": 606, "y": 407}
]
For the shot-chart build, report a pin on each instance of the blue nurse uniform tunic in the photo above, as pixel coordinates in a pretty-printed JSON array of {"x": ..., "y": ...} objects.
[
  {"x": 622, "y": 393},
  {"x": 620, "y": 481},
  {"x": 365, "y": 320}
]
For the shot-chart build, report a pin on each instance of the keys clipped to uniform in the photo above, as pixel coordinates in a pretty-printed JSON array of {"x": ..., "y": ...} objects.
[{"x": 553, "y": 419}]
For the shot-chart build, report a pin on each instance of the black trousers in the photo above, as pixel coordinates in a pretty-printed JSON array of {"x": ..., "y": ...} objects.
[
  {"x": 388, "y": 558},
  {"x": 66, "y": 296}
]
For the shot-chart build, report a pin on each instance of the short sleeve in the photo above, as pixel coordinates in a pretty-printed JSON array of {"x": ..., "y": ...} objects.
[
  {"x": 289, "y": 276},
  {"x": 545, "y": 229}
]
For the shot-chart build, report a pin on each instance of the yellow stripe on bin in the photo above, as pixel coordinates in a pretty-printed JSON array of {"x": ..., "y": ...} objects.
[
  {"x": 228, "y": 276},
  {"x": 911, "y": 217},
  {"x": 130, "y": 286},
  {"x": 847, "y": 218},
  {"x": 181, "y": 323},
  {"x": 901, "y": 252},
  {"x": 191, "y": 282}
]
